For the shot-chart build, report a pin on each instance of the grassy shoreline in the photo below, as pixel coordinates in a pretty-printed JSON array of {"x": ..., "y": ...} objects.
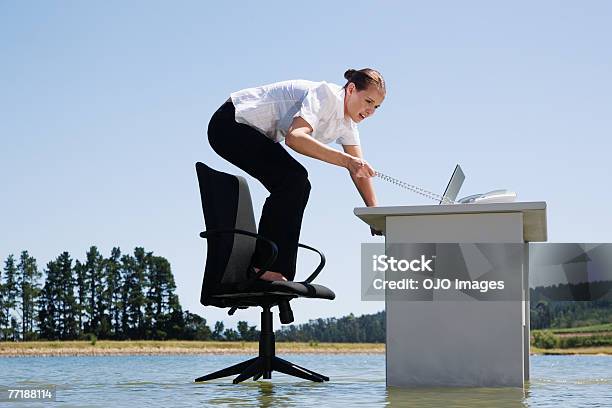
[
  {"x": 177, "y": 347},
  {"x": 605, "y": 350},
  {"x": 153, "y": 347}
]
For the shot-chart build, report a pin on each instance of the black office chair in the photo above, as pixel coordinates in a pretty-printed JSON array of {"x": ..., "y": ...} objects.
[{"x": 230, "y": 280}]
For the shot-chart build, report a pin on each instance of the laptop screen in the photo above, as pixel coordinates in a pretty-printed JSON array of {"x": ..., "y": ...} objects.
[{"x": 453, "y": 187}]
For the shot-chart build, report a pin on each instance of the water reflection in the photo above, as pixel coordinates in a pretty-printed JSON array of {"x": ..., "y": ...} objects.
[
  {"x": 356, "y": 380},
  {"x": 456, "y": 397}
]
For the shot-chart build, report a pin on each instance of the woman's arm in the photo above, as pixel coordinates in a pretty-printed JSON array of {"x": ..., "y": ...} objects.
[
  {"x": 364, "y": 185},
  {"x": 298, "y": 138}
]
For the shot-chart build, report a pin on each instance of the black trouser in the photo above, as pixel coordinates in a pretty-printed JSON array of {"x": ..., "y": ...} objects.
[{"x": 285, "y": 179}]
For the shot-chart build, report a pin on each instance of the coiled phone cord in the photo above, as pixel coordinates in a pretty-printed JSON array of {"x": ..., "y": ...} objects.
[{"x": 414, "y": 189}]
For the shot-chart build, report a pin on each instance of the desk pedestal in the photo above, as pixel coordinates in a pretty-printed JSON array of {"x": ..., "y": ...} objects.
[{"x": 458, "y": 343}]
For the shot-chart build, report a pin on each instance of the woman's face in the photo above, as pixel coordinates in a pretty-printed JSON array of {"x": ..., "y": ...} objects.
[{"x": 359, "y": 105}]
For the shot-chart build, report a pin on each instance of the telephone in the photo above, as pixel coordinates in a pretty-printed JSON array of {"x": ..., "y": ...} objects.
[{"x": 495, "y": 196}]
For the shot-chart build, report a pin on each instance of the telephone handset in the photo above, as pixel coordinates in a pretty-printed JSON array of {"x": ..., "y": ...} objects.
[{"x": 495, "y": 196}]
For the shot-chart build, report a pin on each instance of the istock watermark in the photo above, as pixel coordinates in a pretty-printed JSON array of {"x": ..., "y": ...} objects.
[
  {"x": 383, "y": 263},
  {"x": 486, "y": 272}
]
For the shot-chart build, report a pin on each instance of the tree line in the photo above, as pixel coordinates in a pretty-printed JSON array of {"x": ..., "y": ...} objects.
[
  {"x": 133, "y": 296},
  {"x": 368, "y": 328},
  {"x": 130, "y": 296},
  {"x": 123, "y": 296},
  {"x": 571, "y": 305}
]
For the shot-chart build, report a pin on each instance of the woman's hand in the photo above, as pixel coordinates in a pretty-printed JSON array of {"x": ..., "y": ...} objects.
[
  {"x": 359, "y": 167},
  {"x": 375, "y": 232}
]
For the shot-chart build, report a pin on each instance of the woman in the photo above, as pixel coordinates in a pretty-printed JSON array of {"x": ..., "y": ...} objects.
[{"x": 248, "y": 128}]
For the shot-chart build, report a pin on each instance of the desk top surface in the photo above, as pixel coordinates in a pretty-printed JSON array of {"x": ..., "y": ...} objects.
[{"x": 534, "y": 214}]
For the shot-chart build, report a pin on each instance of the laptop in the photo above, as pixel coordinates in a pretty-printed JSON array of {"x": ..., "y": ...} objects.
[{"x": 453, "y": 187}]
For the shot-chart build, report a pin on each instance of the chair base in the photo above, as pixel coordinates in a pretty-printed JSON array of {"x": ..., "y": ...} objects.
[
  {"x": 266, "y": 362},
  {"x": 262, "y": 367}
]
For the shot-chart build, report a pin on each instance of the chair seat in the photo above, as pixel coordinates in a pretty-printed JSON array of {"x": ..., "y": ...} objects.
[{"x": 266, "y": 288}]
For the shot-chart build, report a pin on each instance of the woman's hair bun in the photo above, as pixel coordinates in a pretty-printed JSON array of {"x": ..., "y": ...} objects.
[
  {"x": 364, "y": 78},
  {"x": 349, "y": 74}
]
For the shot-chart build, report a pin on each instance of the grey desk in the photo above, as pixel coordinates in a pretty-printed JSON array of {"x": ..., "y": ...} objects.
[{"x": 459, "y": 343}]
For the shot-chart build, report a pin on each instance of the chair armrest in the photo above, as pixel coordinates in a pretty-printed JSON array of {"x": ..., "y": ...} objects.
[
  {"x": 321, "y": 264},
  {"x": 273, "y": 247}
]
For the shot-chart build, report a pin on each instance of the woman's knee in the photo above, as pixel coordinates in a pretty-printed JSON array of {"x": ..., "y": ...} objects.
[
  {"x": 214, "y": 132},
  {"x": 221, "y": 128},
  {"x": 298, "y": 177},
  {"x": 291, "y": 180}
]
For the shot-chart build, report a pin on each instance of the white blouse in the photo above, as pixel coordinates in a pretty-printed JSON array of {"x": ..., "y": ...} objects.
[{"x": 272, "y": 108}]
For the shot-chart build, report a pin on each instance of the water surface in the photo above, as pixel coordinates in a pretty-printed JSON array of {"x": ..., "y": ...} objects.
[{"x": 356, "y": 380}]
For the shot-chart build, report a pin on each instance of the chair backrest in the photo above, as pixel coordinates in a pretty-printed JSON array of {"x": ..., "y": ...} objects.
[{"x": 226, "y": 203}]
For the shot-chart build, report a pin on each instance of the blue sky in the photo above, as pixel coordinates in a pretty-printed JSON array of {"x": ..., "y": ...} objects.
[{"x": 104, "y": 107}]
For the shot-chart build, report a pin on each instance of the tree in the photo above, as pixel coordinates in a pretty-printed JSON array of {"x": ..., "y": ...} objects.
[
  {"x": 14, "y": 329},
  {"x": 112, "y": 295},
  {"x": 2, "y": 316},
  {"x": 163, "y": 311},
  {"x": 67, "y": 302},
  {"x": 540, "y": 316},
  {"x": 152, "y": 298},
  {"x": 231, "y": 335},
  {"x": 134, "y": 268},
  {"x": 8, "y": 294},
  {"x": 28, "y": 276},
  {"x": 79, "y": 272},
  {"x": 11, "y": 292},
  {"x": 195, "y": 327},
  {"x": 176, "y": 321},
  {"x": 247, "y": 333},
  {"x": 217, "y": 334},
  {"x": 127, "y": 262},
  {"x": 94, "y": 286},
  {"x": 48, "y": 314},
  {"x": 58, "y": 305}
]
